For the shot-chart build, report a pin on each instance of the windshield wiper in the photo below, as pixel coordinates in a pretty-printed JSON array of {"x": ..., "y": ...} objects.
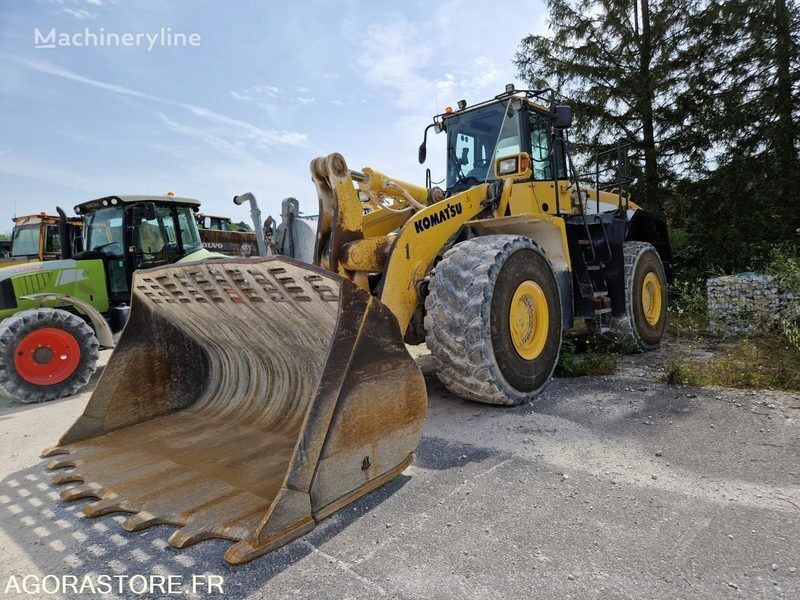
[{"x": 451, "y": 152}]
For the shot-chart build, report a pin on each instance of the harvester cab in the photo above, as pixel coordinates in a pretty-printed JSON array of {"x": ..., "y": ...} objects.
[
  {"x": 55, "y": 315},
  {"x": 39, "y": 237},
  {"x": 252, "y": 398},
  {"x": 138, "y": 232}
]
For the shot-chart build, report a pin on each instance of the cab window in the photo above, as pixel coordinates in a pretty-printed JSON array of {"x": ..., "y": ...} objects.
[
  {"x": 25, "y": 240},
  {"x": 476, "y": 138},
  {"x": 541, "y": 149},
  {"x": 155, "y": 239},
  {"x": 52, "y": 242},
  {"x": 190, "y": 237}
]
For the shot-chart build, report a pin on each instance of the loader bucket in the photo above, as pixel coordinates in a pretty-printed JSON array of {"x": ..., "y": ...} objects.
[{"x": 246, "y": 400}]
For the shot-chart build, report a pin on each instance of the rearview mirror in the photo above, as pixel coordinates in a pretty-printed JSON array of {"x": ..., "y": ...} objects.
[
  {"x": 562, "y": 117},
  {"x": 423, "y": 152}
]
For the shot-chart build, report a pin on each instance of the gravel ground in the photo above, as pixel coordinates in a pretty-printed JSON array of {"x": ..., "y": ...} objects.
[{"x": 612, "y": 487}]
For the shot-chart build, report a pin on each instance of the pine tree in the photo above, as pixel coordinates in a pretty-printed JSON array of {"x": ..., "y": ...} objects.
[
  {"x": 759, "y": 100},
  {"x": 629, "y": 69},
  {"x": 748, "y": 201}
]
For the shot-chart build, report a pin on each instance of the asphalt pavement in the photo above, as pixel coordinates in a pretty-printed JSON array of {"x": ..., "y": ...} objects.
[{"x": 606, "y": 487}]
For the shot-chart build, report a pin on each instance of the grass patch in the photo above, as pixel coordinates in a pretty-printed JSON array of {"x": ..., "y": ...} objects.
[
  {"x": 688, "y": 309},
  {"x": 769, "y": 363},
  {"x": 582, "y": 357}
]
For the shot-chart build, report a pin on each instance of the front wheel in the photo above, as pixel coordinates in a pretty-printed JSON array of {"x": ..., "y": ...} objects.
[
  {"x": 45, "y": 353},
  {"x": 493, "y": 319}
]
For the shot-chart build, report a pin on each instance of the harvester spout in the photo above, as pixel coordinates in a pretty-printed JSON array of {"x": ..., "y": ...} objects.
[{"x": 246, "y": 400}]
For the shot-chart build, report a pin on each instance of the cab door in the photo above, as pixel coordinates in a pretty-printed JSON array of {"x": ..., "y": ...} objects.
[{"x": 153, "y": 236}]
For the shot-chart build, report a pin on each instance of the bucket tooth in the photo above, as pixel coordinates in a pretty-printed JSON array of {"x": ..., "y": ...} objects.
[
  {"x": 141, "y": 521},
  {"x": 105, "y": 506},
  {"x": 70, "y": 477},
  {"x": 60, "y": 463},
  {"x": 54, "y": 451},
  {"x": 79, "y": 492},
  {"x": 186, "y": 536},
  {"x": 246, "y": 400}
]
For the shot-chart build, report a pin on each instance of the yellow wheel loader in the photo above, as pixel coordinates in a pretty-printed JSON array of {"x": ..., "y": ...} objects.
[{"x": 248, "y": 399}]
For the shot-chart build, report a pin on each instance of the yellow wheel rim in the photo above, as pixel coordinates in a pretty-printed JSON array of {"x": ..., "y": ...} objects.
[
  {"x": 651, "y": 298},
  {"x": 528, "y": 320}
]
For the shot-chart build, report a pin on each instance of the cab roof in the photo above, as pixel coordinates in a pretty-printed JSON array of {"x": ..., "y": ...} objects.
[
  {"x": 539, "y": 99},
  {"x": 34, "y": 219},
  {"x": 105, "y": 201}
]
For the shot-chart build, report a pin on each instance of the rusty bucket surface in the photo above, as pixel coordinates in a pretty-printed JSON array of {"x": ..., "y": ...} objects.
[{"x": 246, "y": 400}]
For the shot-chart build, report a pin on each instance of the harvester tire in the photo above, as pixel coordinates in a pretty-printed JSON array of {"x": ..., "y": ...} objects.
[
  {"x": 45, "y": 354},
  {"x": 493, "y": 319},
  {"x": 642, "y": 326}
]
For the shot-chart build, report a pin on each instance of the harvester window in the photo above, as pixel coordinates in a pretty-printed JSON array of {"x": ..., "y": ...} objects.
[
  {"x": 189, "y": 234},
  {"x": 25, "y": 240},
  {"x": 155, "y": 238},
  {"x": 52, "y": 243},
  {"x": 104, "y": 231},
  {"x": 219, "y": 224}
]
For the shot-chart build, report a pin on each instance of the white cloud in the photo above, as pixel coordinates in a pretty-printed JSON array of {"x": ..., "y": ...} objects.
[
  {"x": 36, "y": 169},
  {"x": 257, "y": 93},
  {"x": 78, "y": 13},
  {"x": 306, "y": 100},
  {"x": 263, "y": 96},
  {"x": 407, "y": 60},
  {"x": 392, "y": 56},
  {"x": 258, "y": 136}
]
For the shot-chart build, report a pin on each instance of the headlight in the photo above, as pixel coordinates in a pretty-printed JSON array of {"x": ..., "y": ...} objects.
[{"x": 507, "y": 166}]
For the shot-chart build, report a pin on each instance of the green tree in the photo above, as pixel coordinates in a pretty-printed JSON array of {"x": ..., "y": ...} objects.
[
  {"x": 627, "y": 69},
  {"x": 758, "y": 70},
  {"x": 241, "y": 226},
  {"x": 748, "y": 200}
]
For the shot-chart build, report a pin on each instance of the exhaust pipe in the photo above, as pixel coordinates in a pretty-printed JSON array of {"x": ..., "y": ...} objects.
[
  {"x": 63, "y": 233},
  {"x": 255, "y": 214}
]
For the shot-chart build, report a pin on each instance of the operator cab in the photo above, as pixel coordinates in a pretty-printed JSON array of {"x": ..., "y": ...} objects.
[
  {"x": 37, "y": 237},
  {"x": 510, "y": 124},
  {"x": 213, "y": 223},
  {"x": 138, "y": 232}
]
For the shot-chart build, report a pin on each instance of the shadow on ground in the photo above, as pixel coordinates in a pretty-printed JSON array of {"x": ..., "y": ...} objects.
[{"x": 60, "y": 540}]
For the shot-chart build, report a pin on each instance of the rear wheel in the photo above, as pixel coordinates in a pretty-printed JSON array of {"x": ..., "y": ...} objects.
[
  {"x": 493, "y": 319},
  {"x": 642, "y": 326},
  {"x": 45, "y": 354}
]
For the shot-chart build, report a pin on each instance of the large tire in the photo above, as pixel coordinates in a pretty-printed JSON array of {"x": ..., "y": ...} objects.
[
  {"x": 45, "y": 353},
  {"x": 475, "y": 289},
  {"x": 642, "y": 326}
]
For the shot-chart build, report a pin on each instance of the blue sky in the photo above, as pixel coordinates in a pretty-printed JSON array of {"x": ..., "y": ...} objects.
[{"x": 269, "y": 87}]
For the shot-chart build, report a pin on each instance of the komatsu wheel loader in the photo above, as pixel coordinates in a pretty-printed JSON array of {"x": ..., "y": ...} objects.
[{"x": 249, "y": 399}]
